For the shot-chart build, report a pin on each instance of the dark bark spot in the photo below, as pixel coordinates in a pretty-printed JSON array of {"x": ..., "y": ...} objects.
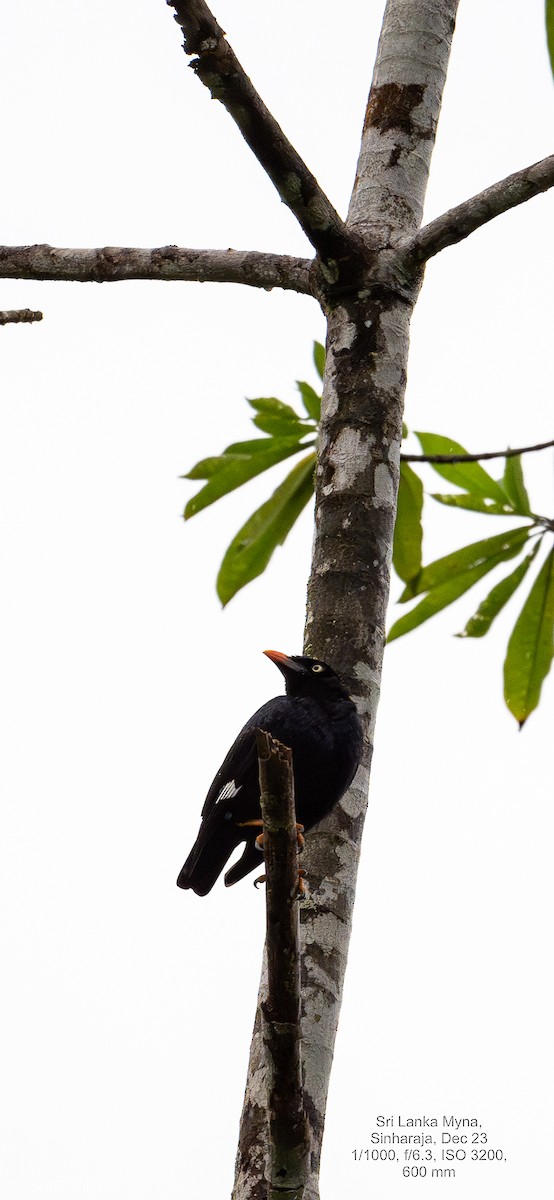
[
  {"x": 316, "y": 1122},
  {"x": 252, "y": 1148},
  {"x": 327, "y": 964},
  {"x": 392, "y": 106}
]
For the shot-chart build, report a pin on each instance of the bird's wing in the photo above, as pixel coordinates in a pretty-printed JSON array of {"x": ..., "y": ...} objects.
[{"x": 239, "y": 768}]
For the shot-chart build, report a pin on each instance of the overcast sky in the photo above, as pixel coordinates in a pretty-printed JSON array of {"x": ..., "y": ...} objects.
[{"x": 128, "y": 1004}]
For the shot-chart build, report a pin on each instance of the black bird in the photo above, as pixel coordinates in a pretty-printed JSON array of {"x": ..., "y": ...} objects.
[{"x": 319, "y": 722}]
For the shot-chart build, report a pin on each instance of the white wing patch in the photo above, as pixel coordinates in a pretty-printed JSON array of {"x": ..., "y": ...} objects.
[{"x": 229, "y": 791}]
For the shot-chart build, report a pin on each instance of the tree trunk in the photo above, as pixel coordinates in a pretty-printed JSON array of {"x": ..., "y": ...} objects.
[{"x": 357, "y": 482}]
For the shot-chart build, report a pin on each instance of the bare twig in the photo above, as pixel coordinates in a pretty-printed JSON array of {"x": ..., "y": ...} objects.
[
  {"x": 18, "y": 316},
  {"x": 112, "y": 263},
  {"x": 288, "y": 1144},
  {"x": 219, "y": 69},
  {"x": 459, "y": 222},
  {"x": 462, "y": 458}
]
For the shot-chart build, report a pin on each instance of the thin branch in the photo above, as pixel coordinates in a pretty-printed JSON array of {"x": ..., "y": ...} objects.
[
  {"x": 18, "y": 316},
  {"x": 459, "y": 222},
  {"x": 112, "y": 263},
  {"x": 462, "y": 458},
  {"x": 288, "y": 1139},
  {"x": 219, "y": 69}
]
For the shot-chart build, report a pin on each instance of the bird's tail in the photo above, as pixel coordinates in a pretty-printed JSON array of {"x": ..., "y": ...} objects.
[
  {"x": 248, "y": 861},
  {"x": 207, "y": 860}
]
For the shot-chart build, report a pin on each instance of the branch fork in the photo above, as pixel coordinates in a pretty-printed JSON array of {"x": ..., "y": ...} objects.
[{"x": 216, "y": 64}]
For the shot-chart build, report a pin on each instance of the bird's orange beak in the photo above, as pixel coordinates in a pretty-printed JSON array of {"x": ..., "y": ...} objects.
[
  {"x": 282, "y": 660},
  {"x": 276, "y": 656}
]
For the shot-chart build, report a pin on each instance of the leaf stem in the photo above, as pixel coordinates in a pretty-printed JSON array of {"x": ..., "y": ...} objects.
[{"x": 461, "y": 458}]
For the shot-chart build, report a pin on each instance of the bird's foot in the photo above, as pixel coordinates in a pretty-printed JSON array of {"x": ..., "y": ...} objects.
[
  {"x": 258, "y": 824},
  {"x": 300, "y": 887}
]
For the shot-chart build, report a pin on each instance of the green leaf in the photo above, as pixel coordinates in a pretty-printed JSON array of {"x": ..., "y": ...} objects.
[
  {"x": 480, "y": 623},
  {"x": 549, "y": 15},
  {"x": 271, "y": 406},
  {"x": 255, "y": 446},
  {"x": 405, "y": 430},
  {"x": 278, "y": 419},
  {"x": 467, "y": 558},
  {"x": 319, "y": 358},
  {"x": 277, "y": 426},
  {"x": 470, "y": 476},
  {"x": 514, "y": 485},
  {"x": 474, "y": 503},
  {"x": 529, "y": 654},
  {"x": 408, "y": 534},
  {"x": 231, "y": 470},
  {"x": 207, "y": 467},
  {"x": 310, "y": 399},
  {"x": 444, "y": 594},
  {"x": 251, "y": 549}
]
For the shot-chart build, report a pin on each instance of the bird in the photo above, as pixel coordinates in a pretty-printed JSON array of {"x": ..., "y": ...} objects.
[{"x": 319, "y": 721}]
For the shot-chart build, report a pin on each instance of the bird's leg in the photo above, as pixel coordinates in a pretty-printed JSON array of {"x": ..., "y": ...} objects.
[
  {"x": 259, "y": 824},
  {"x": 301, "y": 841},
  {"x": 301, "y": 891}
]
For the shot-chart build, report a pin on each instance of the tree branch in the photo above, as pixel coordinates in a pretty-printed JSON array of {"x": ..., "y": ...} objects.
[
  {"x": 18, "y": 316},
  {"x": 462, "y": 458},
  {"x": 219, "y": 69},
  {"x": 459, "y": 222},
  {"x": 112, "y": 263},
  {"x": 288, "y": 1138}
]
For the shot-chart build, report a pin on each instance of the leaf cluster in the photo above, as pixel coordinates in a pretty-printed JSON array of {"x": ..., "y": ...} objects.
[
  {"x": 434, "y": 586},
  {"x": 439, "y": 583},
  {"x": 286, "y": 433}
]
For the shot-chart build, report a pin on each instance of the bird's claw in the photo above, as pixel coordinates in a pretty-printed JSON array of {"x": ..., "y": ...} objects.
[
  {"x": 301, "y": 841},
  {"x": 300, "y": 886}
]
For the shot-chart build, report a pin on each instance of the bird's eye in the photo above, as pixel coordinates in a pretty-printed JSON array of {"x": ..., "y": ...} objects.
[{"x": 317, "y": 668}]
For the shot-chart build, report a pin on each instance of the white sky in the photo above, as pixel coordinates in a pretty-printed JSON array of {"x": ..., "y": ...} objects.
[{"x": 127, "y": 1004}]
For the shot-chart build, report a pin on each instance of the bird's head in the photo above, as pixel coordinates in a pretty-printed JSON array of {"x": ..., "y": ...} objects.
[{"x": 306, "y": 676}]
